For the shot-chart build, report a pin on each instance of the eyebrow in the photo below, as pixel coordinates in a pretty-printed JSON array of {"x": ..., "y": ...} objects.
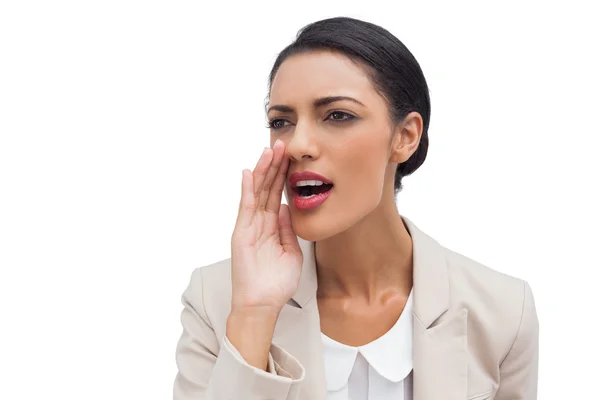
[{"x": 323, "y": 101}]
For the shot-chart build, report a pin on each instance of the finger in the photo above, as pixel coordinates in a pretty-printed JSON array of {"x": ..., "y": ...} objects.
[
  {"x": 247, "y": 202},
  {"x": 270, "y": 176},
  {"x": 287, "y": 236},
  {"x": 259, "y": 164},
  {"x": 278, "y": 186},
  {"x": 261, "y": 170}
]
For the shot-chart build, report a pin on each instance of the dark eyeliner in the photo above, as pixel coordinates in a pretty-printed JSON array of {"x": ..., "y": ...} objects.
[
  {"x": 271, "y": 123},
  {"x": 347, "y": 117}
]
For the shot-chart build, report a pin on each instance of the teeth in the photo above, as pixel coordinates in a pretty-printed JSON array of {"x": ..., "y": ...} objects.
[{"x": 309, "y": 183}]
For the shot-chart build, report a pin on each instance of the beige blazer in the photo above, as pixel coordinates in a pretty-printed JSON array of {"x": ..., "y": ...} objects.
[{"x": 475, "y": 334}]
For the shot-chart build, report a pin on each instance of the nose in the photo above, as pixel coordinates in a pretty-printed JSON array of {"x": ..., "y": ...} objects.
[{"x": 303, "y": 143}]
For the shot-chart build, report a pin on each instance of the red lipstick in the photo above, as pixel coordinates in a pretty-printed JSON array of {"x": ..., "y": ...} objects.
[{"x": 314, "y": 200}]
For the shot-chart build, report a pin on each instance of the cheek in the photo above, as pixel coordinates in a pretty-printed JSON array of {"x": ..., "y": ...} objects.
[{"x": 362, "y": 163}]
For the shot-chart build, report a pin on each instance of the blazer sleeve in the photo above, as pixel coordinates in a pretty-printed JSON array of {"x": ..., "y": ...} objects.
[
  {"x": 210, "y": 368},
  {"x": 519, "y": 370}
]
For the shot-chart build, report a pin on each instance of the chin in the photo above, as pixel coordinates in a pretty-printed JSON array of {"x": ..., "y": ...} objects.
[
  {"x": 330, "y": 219},
  {"x": 317, "y": 226},
  {"x": 312, "y": 232},
  {"x": 310, "y": 226}
]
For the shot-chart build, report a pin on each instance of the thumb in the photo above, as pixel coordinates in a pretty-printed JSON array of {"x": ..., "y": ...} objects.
[{"x": 287, "y": 236}]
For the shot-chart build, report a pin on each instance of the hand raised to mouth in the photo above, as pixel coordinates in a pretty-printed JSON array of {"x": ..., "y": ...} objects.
[{"x": 266, "y": 258}]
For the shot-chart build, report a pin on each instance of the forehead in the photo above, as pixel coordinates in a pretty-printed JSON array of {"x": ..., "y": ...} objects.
[{"x": 307, "y": 76}]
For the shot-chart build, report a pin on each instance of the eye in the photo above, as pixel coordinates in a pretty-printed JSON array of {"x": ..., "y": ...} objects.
[
  {"x": 277, "y": 123},
  {"x": 340, "y": 116}
]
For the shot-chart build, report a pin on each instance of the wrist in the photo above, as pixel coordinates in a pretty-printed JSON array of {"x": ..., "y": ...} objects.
[
  {"x": 250, "y": 316},
  {"x": 241, "y": 310},
  {"x": 250, "y": 331}
]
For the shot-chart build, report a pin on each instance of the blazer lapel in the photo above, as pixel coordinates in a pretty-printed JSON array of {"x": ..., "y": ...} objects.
[
  {"x": 298, "y": 328},
  {"x": 439, "y": 338}
]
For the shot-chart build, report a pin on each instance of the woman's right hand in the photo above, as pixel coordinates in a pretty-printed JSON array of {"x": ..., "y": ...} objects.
[{"x": 266, "y": 259}]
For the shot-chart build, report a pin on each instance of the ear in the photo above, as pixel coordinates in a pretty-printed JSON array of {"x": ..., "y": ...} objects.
[{"x": 407, "y": 136}]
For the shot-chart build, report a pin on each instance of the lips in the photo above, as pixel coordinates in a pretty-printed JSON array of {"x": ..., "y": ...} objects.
[
  {"x": 306, "y": 176},
  {"x": 308, "y": 198}
]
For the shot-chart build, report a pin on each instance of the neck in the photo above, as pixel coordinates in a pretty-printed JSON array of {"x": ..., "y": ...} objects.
[{"x": 371, "y": 259}]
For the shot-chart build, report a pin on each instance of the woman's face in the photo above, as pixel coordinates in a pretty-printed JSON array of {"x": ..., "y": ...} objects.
[{"x": 334, "y": 123}]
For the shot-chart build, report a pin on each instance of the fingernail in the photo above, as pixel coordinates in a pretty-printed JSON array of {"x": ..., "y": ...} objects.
[{"x": 276, "y": 142}]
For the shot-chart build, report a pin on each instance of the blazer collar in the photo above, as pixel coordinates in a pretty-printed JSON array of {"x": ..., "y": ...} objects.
[{"x": 430, "y": 275}]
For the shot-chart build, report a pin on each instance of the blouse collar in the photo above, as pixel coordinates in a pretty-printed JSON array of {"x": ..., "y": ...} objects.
[{"x": 390, "y": 355}]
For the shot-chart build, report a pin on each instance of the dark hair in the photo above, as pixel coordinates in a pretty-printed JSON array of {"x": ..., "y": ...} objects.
[{"x": 393, "y": 69}]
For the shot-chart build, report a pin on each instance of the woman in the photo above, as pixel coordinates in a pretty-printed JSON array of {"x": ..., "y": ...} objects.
[{"x": 338, "y": 295}]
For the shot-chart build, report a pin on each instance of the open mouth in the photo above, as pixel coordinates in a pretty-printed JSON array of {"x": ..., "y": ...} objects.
[{"x": 309, "y": 189}]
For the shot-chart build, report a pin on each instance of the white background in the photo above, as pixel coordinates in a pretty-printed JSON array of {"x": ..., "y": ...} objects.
[{"x": 125, "y": 125}]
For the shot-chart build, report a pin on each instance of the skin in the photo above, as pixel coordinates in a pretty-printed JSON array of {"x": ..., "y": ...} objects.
[{"x": 363, "y": 250}]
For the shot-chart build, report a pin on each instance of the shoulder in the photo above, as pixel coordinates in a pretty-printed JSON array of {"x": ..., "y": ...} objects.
[
  {"x": 475, "y": 281},
  {"x": 209, "y": 290},
  {"x": 500, "y": 306}
]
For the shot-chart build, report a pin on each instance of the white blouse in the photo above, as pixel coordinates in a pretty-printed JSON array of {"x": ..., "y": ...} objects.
[{"x": 379, "y": 370}]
